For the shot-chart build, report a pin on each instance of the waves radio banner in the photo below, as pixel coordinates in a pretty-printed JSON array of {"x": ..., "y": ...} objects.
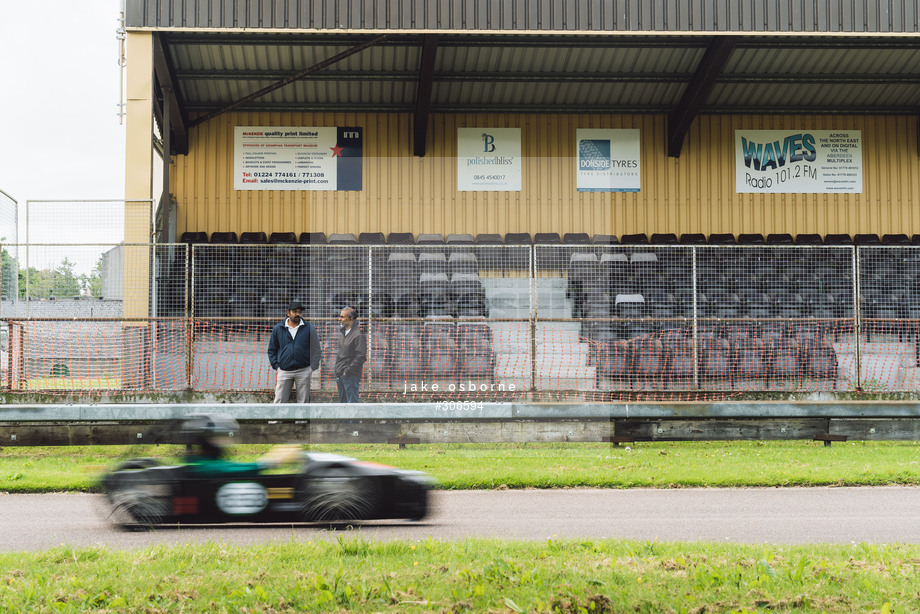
[
  {"x": 798, "y": 161},
  {"x": 296, "y": 158}
]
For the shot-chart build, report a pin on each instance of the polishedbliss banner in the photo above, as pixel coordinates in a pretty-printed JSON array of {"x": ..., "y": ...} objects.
[
  {"x": 798, "y": 161},
  {"x": 489, "y": 159},
  {"x": 295, "y": 158},
  {"x": 608, "y": 160}
]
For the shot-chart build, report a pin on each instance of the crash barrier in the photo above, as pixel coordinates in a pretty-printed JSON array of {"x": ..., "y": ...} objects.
[
  {"x": 594, "y": 323},
  {"x": 468, "y": 422}
]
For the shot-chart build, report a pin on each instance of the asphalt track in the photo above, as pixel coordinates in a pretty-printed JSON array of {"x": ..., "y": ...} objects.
[{"x": 749, "y": 515}]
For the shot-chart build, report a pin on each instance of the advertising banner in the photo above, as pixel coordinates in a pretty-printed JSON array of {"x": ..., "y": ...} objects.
[
  {"x": 296, "y": 158},
  {"x": 798, "y": 162},
  {"x": 608, "y": 160},
  {"x": 489, "y": 159}
]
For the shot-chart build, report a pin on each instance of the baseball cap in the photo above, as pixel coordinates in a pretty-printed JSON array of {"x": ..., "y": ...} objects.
[{"x": 294, "y": 306}]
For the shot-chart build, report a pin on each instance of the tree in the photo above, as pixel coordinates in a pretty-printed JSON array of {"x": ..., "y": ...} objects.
[
  {"x": 59, "y": 281},
  {"x": 65, "y": 284},
  {"x": 8, "y": 269},
  {"x": 92, "y": 283}
]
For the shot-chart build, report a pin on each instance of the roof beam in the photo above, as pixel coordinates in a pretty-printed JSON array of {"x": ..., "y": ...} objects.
[
  {"x": 444, "y": 77},
  {"x": 444, "y": 40},
  {"x": 492, "y": 107},
  {"x": 912, "y": 78},
  {"x": 501, "y": 107},
  {"x": 291, "y": 79},
  {"x": 698, "y": 91},
  {"x": 169, "y": 86},
  {"x": 423, "y": 93}
]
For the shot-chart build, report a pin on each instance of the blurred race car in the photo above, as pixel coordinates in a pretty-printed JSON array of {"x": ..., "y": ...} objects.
[{"x": 327, "y": 488}]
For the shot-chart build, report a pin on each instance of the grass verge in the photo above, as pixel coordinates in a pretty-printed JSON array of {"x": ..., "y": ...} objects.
[
  {"x": 354, "y": 575},
  {"x": 486, "y": 466},
  {"x": 475, "y": 575}
]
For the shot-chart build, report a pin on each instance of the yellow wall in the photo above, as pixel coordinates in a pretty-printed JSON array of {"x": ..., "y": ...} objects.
[
  {"x": 138, "y": 173},
  {"x": 694, "y": 193}
]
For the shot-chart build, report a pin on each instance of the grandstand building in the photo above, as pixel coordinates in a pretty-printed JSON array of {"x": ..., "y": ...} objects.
[{"x": 550, "y": 195}]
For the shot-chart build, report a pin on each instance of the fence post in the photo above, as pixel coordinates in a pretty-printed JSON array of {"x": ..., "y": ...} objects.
[
  {"x": 368, "y": 334},
  {"x": 189, "y": 327},
  {"x": 189, "y": 315},
  {"x": 696, "y": 332},
  {"x": 9, "y": 352},
  {"x": 857, "y": 318},
  {"x": 22, "y": 356},
  {"x": 532, "y": 316}
]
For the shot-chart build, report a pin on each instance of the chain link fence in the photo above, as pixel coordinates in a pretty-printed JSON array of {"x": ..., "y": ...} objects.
[{"x": 469, "y": 321}]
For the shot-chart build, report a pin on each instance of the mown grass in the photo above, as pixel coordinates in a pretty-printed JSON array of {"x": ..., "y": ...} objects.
[
  {"x": 354, "y": 575},
  {"x": 486, "y": 466}
]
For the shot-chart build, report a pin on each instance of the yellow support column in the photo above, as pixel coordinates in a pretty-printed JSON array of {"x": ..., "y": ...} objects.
[{"x": 138, "y": 192}]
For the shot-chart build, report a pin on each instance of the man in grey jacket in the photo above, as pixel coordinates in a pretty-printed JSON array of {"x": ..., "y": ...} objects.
[{"x": 350, "y": 356}]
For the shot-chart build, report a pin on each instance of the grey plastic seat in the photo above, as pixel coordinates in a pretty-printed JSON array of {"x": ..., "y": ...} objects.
[
  {"x": 693, "y": 238},
  {"x": 489, "y": 239},
  {"x": 285, "y": 238},
  {"x": 372, "y": 238},
  {"x": 643, "y": 269},
  {"x": 663, "y": 238},
  {"x": 518, "y": 258},
  {"x": 430, "y": 239},
  {"x": 400, "y": 238},
  {"x": 604, "y": 239},
  {"x": 253, "y": 238},
  {"x": 460, "y": 239},
  {"x": 633, "y": 308},
  {"x": 614, "y": 268},
  {"x": 723, "y": 238},
  {"x": 432, "y": 262},
  {"x": 808, "y": 239},
  {"x": 583, "y": 278},
  {"x": 463, "y": 262},
  {"x": 342, "y": 238},
  {"x": 639, "y": 238},
  {"x": 313, "y": 238}
]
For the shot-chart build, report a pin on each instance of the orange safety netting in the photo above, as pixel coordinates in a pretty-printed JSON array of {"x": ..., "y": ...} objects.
[{"x": 478, "y": 359}]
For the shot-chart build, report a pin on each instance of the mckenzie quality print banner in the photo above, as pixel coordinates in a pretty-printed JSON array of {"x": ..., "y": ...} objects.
[
  {"x": 296, "y": 158},
  {"x": 489, "y": 159},
  {"x": 798, "y": 161},
  {"x": 608, "y": 160}
]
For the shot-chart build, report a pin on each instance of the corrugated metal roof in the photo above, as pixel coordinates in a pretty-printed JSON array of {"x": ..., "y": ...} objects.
[
  {"x": 528, "y": 73},
  {"x": 813, "y": 16},
  {"x": 541, "y": 70}
]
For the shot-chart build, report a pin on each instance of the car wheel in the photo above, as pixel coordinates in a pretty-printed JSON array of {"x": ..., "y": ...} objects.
[
  {"x": 335, "y": 498},
  {"x": 139, "y": 501},
  {"x": 137, "y": 507}
]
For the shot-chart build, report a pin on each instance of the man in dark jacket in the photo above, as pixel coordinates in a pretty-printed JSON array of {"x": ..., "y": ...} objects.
[
  {"x": 294, "y": 351},
  {"x": 350, "y": 355}
]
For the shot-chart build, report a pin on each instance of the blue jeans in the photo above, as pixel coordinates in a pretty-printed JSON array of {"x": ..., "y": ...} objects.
[{"x": 348, "y": 388}]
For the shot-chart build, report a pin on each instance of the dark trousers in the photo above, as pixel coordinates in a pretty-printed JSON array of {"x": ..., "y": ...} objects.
[{"x": 348, "y": 388}]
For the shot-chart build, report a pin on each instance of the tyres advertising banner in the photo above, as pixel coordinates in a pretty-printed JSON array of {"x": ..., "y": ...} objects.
[
  {"x": 489, "y": 159},
  {"x": 798, "y": 161},
  {"x": 296, "y": 158},
  {"x": 608, "y": 160}
]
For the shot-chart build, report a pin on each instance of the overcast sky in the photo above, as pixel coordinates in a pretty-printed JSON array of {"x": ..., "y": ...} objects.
[{"x": 60, "y": 136}]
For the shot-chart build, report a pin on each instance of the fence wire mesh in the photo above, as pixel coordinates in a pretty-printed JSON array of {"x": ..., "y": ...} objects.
[
  {"x": 9, "y": 240},
  {"x": 472, "y": 321}
]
